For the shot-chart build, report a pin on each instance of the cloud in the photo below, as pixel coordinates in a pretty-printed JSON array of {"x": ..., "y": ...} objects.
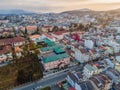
[{"x": 58, "y": 5}]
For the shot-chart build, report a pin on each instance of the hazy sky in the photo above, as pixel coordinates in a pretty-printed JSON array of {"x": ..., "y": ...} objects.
[{"x": 59, "y": 5}]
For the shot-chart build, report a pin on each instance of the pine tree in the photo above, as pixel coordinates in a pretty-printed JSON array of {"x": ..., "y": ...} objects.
[
  {"x": 14, "y": 31},
  {"x": 26, "y": 33}
]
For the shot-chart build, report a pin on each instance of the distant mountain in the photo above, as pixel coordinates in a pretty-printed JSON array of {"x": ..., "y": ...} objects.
[
  {"x": 15, "y": 11},
  {"x": 86, "y": 11},
  {"x": 115, "y": 10},
  {"x": 80, "y": 12}
]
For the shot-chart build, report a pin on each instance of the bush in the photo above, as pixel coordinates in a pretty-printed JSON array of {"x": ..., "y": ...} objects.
[{"x": 46, "y": 88}]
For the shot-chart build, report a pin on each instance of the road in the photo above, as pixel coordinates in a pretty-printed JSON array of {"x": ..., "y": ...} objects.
[
  {"x": 44, "y": 82},
  {"x": 47, "y": 81}
]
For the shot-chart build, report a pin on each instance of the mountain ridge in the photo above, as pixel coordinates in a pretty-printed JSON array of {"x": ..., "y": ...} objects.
[
  {"x": 15, "y": 11},
  {"x": 83, "y": 10}
]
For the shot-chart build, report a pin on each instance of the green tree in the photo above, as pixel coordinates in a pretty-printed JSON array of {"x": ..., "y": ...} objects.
[
  {"x": 46, "y": 88},
  {"x": 14, "y": 31},
  {"x": 38, "y": 29},
  {"x": 21, "y": 77},
  {"x": 26, "y": 32},
  {"x": 55, "y": 28}
]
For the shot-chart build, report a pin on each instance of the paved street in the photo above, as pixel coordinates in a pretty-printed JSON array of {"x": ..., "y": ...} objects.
[
  {"x": 48, "y": 81},
  {"x": 45, "y": 82}
]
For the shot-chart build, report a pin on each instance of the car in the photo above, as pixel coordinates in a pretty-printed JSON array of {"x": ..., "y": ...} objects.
[{"x": 38, "y": 87}]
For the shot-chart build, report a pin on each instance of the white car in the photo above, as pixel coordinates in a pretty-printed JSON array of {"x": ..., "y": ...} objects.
[{"x": 38, "y": 87}]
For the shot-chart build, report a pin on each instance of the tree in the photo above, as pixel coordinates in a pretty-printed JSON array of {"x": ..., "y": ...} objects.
[
  {"x": 46, "y": 88},
  {"x": 81, "y": 26},
  {"x": 26, "y": 32},
  {"x": 55, "y": 28},
  {"x": 37, "y": 31},
  {"x": 32, "y": 46},
  {"x": 21, "y": 77},
  {"x": 30, "y": 71},
  {"x": 14, "y": 31},
  {"x": 13, "y": 53},
  {"x": 26, "y": 69}
]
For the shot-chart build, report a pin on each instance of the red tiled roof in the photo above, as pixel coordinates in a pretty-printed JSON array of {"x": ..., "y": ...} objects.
[
  {"x": 34, "y": 36},
  {"x": 47, "y": 26},
  {"x": 31, "y": 28},
  {"x": 83, "y": 51},
  {"x": 59, "y": 32},
  {"x": 49, "y": 36},
  {"x": 11, "y": 40},
  {"x": 5, "y": 49},
  {"x": 5, "y": 31}
]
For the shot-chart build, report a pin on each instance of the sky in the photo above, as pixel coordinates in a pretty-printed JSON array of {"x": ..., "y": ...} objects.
[{"x": 59, "y": 5}]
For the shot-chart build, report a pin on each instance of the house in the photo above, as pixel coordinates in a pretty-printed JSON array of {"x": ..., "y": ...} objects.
[
  {"x": 50, "y": 48},
  {"x": 114, "y": 75},
  {"x": 82, "y": 55},
  {"x": 115, "y": 45},
  {"x": 59, "y": 34},
  {"x": 4, "y": 21},
  {"x": 109, "y": 50},
  {"x": 117, "y": 28},
  {"x": 94, "y": 54},
  {"x": 18, "y": 51},
  {"x": 6, "y": 33},
  {"x": 31, "y": 29},
  {"x": 117, "y": 57},
  {"x": 51, "y": 60},
  {"x": 46, "y": 28},
  {"x": 117, "y": 63},
  {"x": 74, "y": 77},
  {"x": 49, "y": 36},
  {"x": 54, "y": 57},
  {"x": 16, "y": 41},
  {"x": 5, "y": 53},
  {"x": 109, "y": 63},
  {"x": 102, "y": 81},
  {"x": 90, "y": 70},
  {"x": 35, "y": 38},
  {"x": 89, "y": 44},
  {"x": 71, "y": 79},
  {"x": 86, "y": 85}
]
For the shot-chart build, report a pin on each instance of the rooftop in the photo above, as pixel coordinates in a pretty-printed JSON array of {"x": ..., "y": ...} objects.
[
  {"x": 87, "y": 85},
  {"x": 31, "y": 28},
  {"x": 91, "y": 68},
  {"x": 59, "y": 50},
  {"x": 59, "y": 32},
  {"x": 55, "y": 57},
  {"x": 34, "y": 36},
  {"x": 5, "y": 49},
  {"x": 49, "y": 42},
  {"x": 50, "y": 48},
  {"x": 11, "y": 40}
]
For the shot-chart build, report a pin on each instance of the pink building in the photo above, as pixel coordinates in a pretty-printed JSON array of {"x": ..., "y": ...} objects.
[
  {"x": 56, "y": 61},
  {"x": 59, "y": 34}
]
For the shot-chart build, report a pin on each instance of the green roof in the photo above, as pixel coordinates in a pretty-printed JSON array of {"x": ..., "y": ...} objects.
[
  {"x": 49, "y": 42},
  {"x": 59, "y": 50},
  {"x": 50, "y": 48},
  {"x": 90, "y": 68},
  {"x": 55, "y": 58}
]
